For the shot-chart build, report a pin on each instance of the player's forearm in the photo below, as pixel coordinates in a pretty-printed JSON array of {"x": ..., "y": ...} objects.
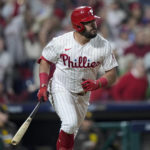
[
  {"x": 44, "y": 73},
  {"x": 44, "y": 67},
  {"x": 109, "y": 77}
]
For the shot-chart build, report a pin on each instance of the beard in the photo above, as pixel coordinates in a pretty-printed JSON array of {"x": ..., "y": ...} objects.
[{"x": 88, "y": 34}]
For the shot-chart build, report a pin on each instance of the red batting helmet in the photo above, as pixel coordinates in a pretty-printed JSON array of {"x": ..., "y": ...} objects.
[{"x": 82, "y": 14}]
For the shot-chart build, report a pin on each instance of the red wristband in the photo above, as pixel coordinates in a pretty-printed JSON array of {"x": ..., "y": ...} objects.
[
  {"x": 103, "y": 82},
  {"x": 43, "y": 79}
]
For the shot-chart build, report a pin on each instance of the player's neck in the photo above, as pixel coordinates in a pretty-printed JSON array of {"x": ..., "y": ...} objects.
[{"x": 80, "y": 38}]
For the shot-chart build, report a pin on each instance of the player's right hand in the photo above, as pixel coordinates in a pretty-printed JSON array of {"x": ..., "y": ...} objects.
[{"x": 42, "y": 94}]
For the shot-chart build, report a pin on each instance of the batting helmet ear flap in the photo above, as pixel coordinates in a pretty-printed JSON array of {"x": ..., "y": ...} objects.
[{"x": 80, "y": 27}]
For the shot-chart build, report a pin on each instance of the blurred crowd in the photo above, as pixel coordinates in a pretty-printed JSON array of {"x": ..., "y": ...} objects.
[
  {"x": 27, "y": 25},
  {"x": 7, "y": 130}
]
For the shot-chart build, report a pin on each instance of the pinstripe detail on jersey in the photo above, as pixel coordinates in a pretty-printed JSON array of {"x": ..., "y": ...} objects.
[{"x": 80, "y": 62}]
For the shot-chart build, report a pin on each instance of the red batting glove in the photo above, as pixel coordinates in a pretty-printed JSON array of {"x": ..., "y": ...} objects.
[
  {"x": 42, "y": 94},
  {"x": 90, "y": 85}
]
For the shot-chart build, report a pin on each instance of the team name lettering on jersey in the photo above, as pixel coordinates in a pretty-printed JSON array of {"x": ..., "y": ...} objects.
[{"x": 81, "y": 62}]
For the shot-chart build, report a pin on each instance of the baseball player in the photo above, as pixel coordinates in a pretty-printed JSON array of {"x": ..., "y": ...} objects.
[{"x": 78, "y": 55}]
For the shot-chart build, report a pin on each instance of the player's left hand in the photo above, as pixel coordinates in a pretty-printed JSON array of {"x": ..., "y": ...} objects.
[{"x": 90, "y": 85}]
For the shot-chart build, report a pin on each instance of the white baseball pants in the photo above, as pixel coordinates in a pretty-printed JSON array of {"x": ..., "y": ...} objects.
[{"x": 70, "y": 107}]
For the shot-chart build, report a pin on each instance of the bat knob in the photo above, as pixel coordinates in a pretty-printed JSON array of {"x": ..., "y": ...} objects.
[{"x": 14, "y": 143}]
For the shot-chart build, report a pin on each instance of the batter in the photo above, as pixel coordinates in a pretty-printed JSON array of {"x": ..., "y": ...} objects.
[{"x": 78, "y": 55}]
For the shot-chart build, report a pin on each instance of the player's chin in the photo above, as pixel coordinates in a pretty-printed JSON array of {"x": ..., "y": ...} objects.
[
  {"x": 94, "y": 31},
  {"x": 93, "y": 34}
]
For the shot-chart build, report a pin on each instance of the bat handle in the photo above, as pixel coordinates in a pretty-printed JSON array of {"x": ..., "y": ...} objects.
[{"x": 35, "y": 109}]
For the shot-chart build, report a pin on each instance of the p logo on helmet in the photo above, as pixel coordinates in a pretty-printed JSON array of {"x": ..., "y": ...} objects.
[
  {"x": 91, "y": 11},
  {"x": 82, "y": 14}
]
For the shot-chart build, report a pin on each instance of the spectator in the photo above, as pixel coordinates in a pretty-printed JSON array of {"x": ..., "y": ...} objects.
[
  {"x": 7, "y": 129},
  {"x": 147, "y": 38},
  {"x": 2, "y": 24},
  {"x": 41, "y": 9},
  {"x": 3, "y": 96},
  {"x": 32, "y": 47},
  {"x": 131, "y": 23},
  {"x": 133, "y": 85},
  {"x": 126, "y": 63},
  {"x": 48, "y": 28},
  {"x": 135, "y": 10},
  {"x": 13, "y": 33},
  {"x": 115, "y": 16},
  {"x": 138, "y": 48},
  {"x": 146, "y": 17},
  {"x": 5, "y": 67},
  {"x": 116, "y": 12},
  {"x": 88, "y": 137},
  {"x": 122, "y": 41},
  {"x": 105, "y": 32},
  {"x": 5, "y": 60}
]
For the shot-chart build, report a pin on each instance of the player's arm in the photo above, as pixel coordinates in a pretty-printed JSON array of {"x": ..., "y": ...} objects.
[
  {"x": 106, "y": 80},
  {"x": 110, "y": 76},
  {"x": 49, "y": 56},
  {"x": 44, "y": 70},
  {"x": 44, "y": 67}
]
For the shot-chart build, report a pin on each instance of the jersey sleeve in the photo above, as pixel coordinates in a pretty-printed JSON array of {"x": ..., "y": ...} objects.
[
  {"x": 109, "y": 59},
  {"x": 50, "y": 52}
]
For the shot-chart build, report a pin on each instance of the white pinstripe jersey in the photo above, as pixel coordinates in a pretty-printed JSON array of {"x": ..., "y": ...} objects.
[{"x": 75, "y": 62}]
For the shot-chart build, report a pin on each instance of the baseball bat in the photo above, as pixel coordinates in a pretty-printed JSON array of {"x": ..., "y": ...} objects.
[{"x": 22, "y": 130}]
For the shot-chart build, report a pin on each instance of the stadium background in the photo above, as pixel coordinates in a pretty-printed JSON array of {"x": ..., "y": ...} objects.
[{"x": 122, "y": 117}]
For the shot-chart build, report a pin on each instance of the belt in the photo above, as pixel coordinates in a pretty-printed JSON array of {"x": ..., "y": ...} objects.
[{"x": 81, "y": 93}]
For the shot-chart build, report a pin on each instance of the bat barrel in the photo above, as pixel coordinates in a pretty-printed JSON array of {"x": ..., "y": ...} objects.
[{"x": 22, "y": 130}]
